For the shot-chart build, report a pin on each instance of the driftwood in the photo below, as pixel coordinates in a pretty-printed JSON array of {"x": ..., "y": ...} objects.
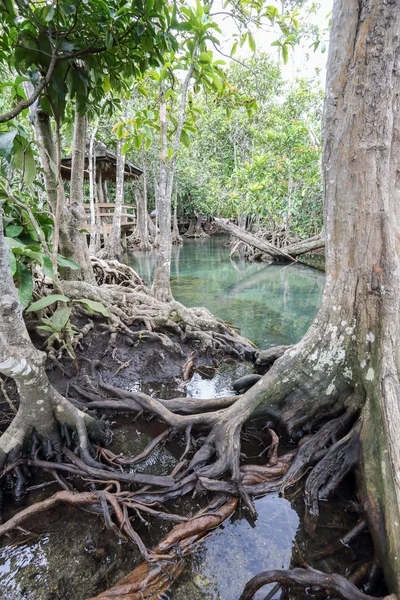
[{"x": 288, "y": 254}]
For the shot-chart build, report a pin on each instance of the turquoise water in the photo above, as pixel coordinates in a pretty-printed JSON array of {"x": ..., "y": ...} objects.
[{"x": 271, "y": 304}]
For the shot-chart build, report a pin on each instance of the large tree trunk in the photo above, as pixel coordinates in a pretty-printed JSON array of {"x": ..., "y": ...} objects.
[
  {"x": 340, "y": 383},
  {"x": 41, "y": 407},
  {"x": 113, "y": 249},
  {"x": 289, "y": 253},
  {"x": 72, "y": 241},
  {"x": 361, "y": 169}
]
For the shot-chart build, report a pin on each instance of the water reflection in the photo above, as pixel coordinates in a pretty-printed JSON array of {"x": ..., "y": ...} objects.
[
  {"x": 238, "y": 551},
  {"x": 271, "y": 304}
]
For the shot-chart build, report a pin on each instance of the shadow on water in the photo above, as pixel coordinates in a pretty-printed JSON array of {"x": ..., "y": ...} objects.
[{"x": 271, "y": 304}]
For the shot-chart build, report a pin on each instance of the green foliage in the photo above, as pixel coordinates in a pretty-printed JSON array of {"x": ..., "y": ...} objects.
[
  {"x": 58, "y": 323},
  {"x": 266, "y": 165}
]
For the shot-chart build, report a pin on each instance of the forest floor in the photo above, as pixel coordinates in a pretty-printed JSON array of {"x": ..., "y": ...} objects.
[{"x": 67, "y": 553}]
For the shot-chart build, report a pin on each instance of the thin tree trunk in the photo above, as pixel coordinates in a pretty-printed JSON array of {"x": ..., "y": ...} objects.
[
  {"x": 72, "y": 242},
  {"x": 142, "y": 229},
  {"x": 94, "y": 229},
  {"x": 113, "y": 247},
  {"x": 40, "y": 405},
  {"x": 161, "y": 284},
  {"x": 176, "y": 237}
]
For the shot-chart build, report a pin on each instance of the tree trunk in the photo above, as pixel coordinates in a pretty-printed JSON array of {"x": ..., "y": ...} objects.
[
  {"x": 94, "y": 190},
  {"x": 288, "y": 254},
  {"x": 41, "y": 407},
  {"x": 113, "y": 247},
  {"x": 176, "y": 237},
  {"x": 72, "y": 242},
  {"x": 192, "y": 227},
  {"x": 161, "y": 283},
  {"x": 142, "y": 229}
]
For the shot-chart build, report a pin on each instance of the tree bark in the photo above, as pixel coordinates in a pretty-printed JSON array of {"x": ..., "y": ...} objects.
[
  {"x": 176, "y": 237},
  {"x": 142, "y": 229},
  {"x": 113, "y": 247},
  {"x": 72, "y": 242},
  {"x": 94, "y": 189},
  {"x": 161, "y": 284},
  {"x": 41, "y": 407}
]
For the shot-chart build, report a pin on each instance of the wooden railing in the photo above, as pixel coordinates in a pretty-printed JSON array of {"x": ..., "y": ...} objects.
[{"x": 106, "y": 213}]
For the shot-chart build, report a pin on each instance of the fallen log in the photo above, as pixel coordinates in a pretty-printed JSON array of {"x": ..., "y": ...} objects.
[{"x": 288, "y": 254}]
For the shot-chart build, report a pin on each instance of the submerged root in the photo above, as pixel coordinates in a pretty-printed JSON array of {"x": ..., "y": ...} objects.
[{"x": 306, "y": 579}]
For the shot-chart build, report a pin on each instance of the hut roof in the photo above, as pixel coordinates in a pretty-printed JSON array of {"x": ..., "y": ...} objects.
[{"x": 106, "y": 162}]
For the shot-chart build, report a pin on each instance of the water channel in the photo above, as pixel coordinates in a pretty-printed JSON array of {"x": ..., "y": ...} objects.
[{"x": 271, "y": 305}]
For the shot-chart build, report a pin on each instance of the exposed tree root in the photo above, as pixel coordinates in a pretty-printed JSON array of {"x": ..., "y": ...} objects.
[
  {"x": 114, "y": 272},
  {"x": 132, "y": 307},
  {"x": 327, "y": 453},
  {"x": 305, "y": 579}
]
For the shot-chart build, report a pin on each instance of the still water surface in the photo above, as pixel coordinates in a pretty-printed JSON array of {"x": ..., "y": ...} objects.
[{"x": 271, "y": 304}]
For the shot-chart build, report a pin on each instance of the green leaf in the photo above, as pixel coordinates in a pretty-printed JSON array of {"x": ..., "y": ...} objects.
[
  {"x": 7, "y": 143},
  {"x": 13, "y": 231},
  {"x": 45, "y": 328},
  {"x": 149, "y": 5},
  {"x": 185, "y": 26},
  {"x": 47, "y": 301},
  {"x": 25, "y": 287},
  {"x": 252, "y": 44},
  {"x": 67, "y": 263},
  {"x": 93, "y": 307},
  {"x": 61, "y": 317},
  {"x": 185, "y": 139},
  {"x": 29, "y": 168},
  {"x": 285, "y": 54},
  {"x": 13, "y": 263},
  {"x": 47, "y": 267},
  {"x": 234, "y": 48},
  {"x": 13, "y": 243}
]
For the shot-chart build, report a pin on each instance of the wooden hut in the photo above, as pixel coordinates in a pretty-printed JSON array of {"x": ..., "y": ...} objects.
[{"x": 106, "y": 170}]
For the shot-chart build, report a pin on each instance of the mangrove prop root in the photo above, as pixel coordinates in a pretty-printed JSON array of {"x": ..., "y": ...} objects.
[{"x": 307, "y": 578}]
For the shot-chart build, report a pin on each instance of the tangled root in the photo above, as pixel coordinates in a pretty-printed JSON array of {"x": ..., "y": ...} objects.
[
  {"x": 114, "y": 272},
  {"x": 132, "y": 306}
]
